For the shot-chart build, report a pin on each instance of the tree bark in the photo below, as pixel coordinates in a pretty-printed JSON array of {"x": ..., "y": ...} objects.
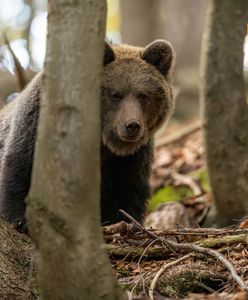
[
  {"x": 225, "y": 113},
  {"x": 64, "y": 202},
  {"x": 17, "y": 279}
]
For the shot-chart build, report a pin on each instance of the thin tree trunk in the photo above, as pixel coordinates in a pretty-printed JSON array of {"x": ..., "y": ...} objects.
[
  {"x": 225, "y": 111},
  {"x": 64, "y": 202}
]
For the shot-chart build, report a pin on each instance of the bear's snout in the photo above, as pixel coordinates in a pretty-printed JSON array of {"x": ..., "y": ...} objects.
[
  {"x": 131, "y": 131},
  {"x": 132, "y": 128}
]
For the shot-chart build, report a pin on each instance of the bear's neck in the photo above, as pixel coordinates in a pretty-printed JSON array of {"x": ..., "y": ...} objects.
[{"x": 145, "y": 150}]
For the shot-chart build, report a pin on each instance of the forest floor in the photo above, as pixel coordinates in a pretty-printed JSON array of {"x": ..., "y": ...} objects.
[{"x": 172, "y": 256}]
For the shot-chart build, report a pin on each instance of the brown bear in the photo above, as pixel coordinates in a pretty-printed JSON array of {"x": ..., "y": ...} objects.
[{"x": 136, "y": 100}]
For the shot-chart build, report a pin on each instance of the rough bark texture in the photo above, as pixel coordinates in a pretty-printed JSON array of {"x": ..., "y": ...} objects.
[
  {"x": 16, "y": 265},
  {"x": 225, "y": 111},
  {"x": 64, "y": 202}
]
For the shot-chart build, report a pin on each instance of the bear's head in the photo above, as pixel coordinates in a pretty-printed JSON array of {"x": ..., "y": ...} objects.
[{"x": 136, "y": 94}]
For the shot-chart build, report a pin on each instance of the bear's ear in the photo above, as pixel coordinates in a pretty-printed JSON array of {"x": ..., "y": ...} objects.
[
  {"x": 109, "y": 54},
  {"x": 160, "y": 54}
]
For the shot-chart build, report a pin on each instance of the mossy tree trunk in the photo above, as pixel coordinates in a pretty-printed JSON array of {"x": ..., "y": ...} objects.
[
  {"x": 225, "y": 113},
  {"x": 64, "y": 202}
]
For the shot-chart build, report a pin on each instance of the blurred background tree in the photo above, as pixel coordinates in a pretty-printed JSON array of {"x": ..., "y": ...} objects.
[{"x": 225, "y": 114}]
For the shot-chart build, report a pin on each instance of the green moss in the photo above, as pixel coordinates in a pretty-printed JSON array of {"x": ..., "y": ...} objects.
[
  {"x": 178, "y": 286},
  {"x": 171, "y": 193},
  {"x": 183, "y": 282},
  {"x": 168, "y": 194}
]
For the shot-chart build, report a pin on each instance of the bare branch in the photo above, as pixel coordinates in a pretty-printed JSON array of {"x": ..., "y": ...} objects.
[
  {"x": 22, "y": 81},
  {"x": 162, "y": 269},
  {"x": 191, "y": 247}
]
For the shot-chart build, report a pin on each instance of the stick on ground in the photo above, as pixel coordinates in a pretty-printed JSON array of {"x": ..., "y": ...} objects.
[
  {"x": 190, "y": 247},
  {"x": 161, "y": 270}
]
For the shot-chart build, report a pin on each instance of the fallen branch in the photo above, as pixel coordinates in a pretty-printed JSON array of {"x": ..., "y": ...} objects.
[
  {"x": 132, "y": 252},
  {"x": 22, "y": 81},
  {"x": 191, "y": 247},
  {"x": 162, "y": 269},
  {"x": 220, "y": 241},
  {"x": 138, "y": 264},
  {"x": 207, "y": 231},
  {"x": 132, "y": 249},
  {"x": 122, "y": 230}
]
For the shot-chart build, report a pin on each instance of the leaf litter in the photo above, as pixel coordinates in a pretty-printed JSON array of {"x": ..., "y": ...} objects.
[{"x": 180, "y": 190}]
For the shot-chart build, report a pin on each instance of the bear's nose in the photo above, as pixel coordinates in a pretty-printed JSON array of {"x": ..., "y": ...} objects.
[{"x": 133, "y": 127}]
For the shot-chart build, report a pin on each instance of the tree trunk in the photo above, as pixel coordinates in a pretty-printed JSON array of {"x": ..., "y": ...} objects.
[
  {"x": 140, "y": 21},
  {"x": 225, "y": 111},
  {"x": 64, "y": 202}
]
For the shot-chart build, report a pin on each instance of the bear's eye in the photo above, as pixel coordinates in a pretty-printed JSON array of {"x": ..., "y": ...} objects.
[
  {"x": 143, "y": 97},
  {"x": 116, "y": 96}
]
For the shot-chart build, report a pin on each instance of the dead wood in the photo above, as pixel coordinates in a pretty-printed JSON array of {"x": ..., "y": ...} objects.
[
  {"x": 20, "y": 73},
  {"x": 195, "y": 248},
  {"x": 161, "y": 270},
  {"x": 219, "y": 296},
  {"x": 122, "y": 230},
  {"x": 225, "y": 240},
  {"x": 132, "y": 252},
  {"x": 198, "y": 273}
]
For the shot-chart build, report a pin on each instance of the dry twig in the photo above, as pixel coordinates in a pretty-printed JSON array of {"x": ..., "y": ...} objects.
[
  {"x": 161, "y": 270},
  {"x": 22, "y": 81},
  {"x": 191, "y": 247},
  {"x": 138, "y": 264},
  {"x": 120, "y": 230}
]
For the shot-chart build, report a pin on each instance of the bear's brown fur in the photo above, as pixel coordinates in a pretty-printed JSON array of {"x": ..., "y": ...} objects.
[{"x": 136, "y": 99}]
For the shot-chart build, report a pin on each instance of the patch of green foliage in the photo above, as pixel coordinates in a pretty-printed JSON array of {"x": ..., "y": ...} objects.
[
  {"x": 202, "y": 177},
  {"x": 168, "y": 194}
]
